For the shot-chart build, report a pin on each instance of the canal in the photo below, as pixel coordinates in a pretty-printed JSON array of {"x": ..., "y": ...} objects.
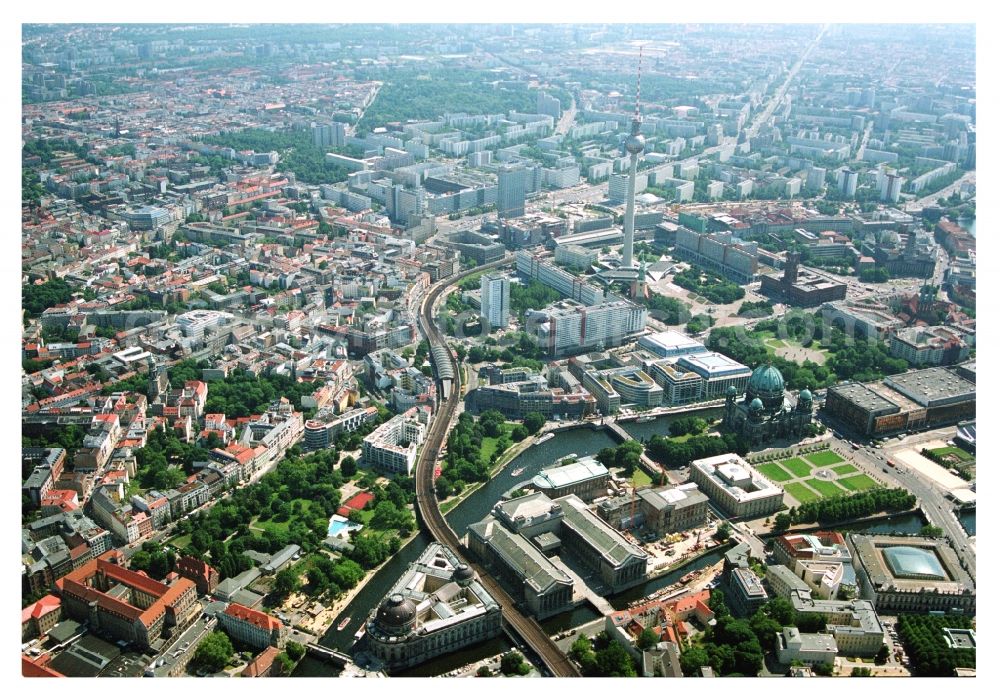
[
  {"x": 968, "y": 520},
  {"x": 582, "y": 441}
]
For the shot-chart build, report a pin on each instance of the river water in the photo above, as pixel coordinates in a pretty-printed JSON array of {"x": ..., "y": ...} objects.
[
  {"x": 661, "y": 425},
  {"x": 582, "y": 441},
  {"x": 968, "y": 520}
]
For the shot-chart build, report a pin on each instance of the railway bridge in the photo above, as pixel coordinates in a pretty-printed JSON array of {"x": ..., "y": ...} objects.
[{"x": 428, "y": 512}]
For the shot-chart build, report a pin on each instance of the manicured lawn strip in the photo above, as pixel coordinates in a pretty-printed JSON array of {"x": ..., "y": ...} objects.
[
  {"x": 824, "y": 458},
  {"x": 860, "y": 482},
  {"x": 828, "y": 489},
  {"x": 181, "y": 541},
  {"x": 797, "y": 466},
  {"x": 801, "y": 493},
  {"x": 846, "y": 469},
  {"x": 774, "y": 472}
]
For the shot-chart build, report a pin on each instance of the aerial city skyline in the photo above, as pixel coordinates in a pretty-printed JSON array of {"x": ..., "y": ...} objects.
[{"x": 498, "y": 350}]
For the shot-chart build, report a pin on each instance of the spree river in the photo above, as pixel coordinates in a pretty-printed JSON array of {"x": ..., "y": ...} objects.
[{"x": 582, "y": 441}]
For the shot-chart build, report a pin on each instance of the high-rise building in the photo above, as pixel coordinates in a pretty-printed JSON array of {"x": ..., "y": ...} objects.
[
  {"x": 511, "y": 191},
  {"x": 548, "y": 105},
  {"x": 847, "y": 182},
  {"x": 570, "y": 328},
  {"x": 816, "y": 178},
  {"x": 890, "y": 187},
  {"x": 495, "y": 302}
]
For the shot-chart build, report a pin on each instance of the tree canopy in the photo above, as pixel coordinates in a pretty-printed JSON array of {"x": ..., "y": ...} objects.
[{"x": 213, "y": 652}]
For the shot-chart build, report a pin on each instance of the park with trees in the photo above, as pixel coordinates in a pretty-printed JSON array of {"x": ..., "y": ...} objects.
[
  {"x": 925, "y": 644},
  {"x": 474, "y": 446}
]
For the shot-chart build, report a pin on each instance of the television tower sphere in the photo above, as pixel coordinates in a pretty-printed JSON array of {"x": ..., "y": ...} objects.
[{"x": 635, "y": 144}]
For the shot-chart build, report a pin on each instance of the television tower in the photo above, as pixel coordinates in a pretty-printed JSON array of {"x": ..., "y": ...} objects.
[{"x": 634, "y": 146}]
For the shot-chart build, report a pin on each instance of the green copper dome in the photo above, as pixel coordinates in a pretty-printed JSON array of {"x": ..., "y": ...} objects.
[
  {"x": 766, "y": 379},
  {"x": 756, "y": 404},
  {"x": 805, "y": 395},
  {"x": 731, "y": 391}
]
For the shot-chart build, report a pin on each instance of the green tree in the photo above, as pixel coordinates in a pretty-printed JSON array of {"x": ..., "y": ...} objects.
[
  {"x": 484, "y": 672},
  {"x": 285, "y": 582},
  {"x": 615, "y": 661},
  {"x": 295, "y": 650},
  {"x": 283, "y": 664},
  {"x": 647, "y": 639},
  {"x": 782, "y": 521},
  {"x": 823, "y": 669},
  {"x": 213, "y": 652},
  {"x": 723, "y": 532},
  {"x": 513, "y": 664},
  {"x": 693, "y": 658},
  {"x": 349, "y": 467},
  {"x": 534, "y": 422}
]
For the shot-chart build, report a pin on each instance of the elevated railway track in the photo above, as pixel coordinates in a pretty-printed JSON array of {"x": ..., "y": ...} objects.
[{"x": 428, "y": 512}]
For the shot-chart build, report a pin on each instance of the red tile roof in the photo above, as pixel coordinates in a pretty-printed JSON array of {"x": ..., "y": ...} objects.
[
  {"x": 37, "y": 667},
  {"x": 261, "y": 664},
  {"x": 46, "y": 604},
  {"x": 256, "y": 618}
]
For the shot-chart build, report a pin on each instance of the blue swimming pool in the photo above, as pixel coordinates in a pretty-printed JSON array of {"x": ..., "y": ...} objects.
[{"x": 340, "y": 526}]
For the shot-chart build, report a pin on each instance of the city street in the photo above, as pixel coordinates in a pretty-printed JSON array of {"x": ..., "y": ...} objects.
[{"x": 938, "y": 509}]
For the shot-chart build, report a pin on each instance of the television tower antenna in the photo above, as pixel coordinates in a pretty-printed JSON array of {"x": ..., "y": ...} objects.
[{"x": 634, "y": 145}]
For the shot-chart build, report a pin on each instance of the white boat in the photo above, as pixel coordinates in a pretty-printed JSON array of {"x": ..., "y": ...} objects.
[
  {"x": 518, "y": 472},
  {"x": 547, "y": 437},
  {"x": 645, "y": 419}
]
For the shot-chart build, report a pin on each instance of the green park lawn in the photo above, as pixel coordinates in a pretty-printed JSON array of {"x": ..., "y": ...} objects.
[
  {"x": 860, "y": 482},
  {"x": 824, "y": 458},
  {"x": 801, "y": 493},
  {"x": 487, "y": 448},
  {"x": 797, "y": 466},
  {"x": 181, "y": 541},
  {"x": 641, "y": 478},
  {"x": 940, "y": 453},
  {"x": 845, "y": 469},
  {"x": 774, "y": 472},
  {"x": 827, "y": 489},
  {"x": 283, "y": 525}
]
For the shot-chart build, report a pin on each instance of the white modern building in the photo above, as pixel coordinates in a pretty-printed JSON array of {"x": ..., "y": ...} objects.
[
  {"x": 495, "y": 300},
  {"x": 571, "y": 328},
  {"x": 392, "y": 447},
  {"x": 195, "y": 322},
  {"x": 810, "y": 648}
]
